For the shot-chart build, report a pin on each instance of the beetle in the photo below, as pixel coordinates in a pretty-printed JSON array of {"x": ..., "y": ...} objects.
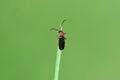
[{"x": 61, "y": 41}]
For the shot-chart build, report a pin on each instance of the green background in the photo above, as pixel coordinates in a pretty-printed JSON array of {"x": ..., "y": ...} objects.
[{"x": 28, "y": 49}]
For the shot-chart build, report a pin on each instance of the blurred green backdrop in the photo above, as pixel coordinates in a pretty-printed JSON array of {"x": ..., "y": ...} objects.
[{"x": 28, "y": 49}]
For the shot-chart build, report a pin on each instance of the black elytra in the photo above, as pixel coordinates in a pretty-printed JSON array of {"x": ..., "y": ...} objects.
[{"x": 61, "y": 43}]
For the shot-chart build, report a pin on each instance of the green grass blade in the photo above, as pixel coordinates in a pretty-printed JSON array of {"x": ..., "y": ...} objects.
[{"x": 57, "y": 65}]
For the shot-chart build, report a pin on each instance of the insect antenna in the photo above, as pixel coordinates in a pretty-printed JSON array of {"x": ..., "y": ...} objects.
[
  {"x": 61, "y": 25},
  {"x": 54, "y": 29}
]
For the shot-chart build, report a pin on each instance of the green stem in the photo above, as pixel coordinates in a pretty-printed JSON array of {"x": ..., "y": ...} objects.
[{"x": 57, "y": 66}]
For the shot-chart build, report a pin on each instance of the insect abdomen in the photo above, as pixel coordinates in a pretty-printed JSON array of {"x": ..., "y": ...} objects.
[{"x": 61, "y": 43}]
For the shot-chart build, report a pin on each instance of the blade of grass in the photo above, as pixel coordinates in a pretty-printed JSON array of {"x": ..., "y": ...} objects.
[{"x": 57, "y": 65}]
